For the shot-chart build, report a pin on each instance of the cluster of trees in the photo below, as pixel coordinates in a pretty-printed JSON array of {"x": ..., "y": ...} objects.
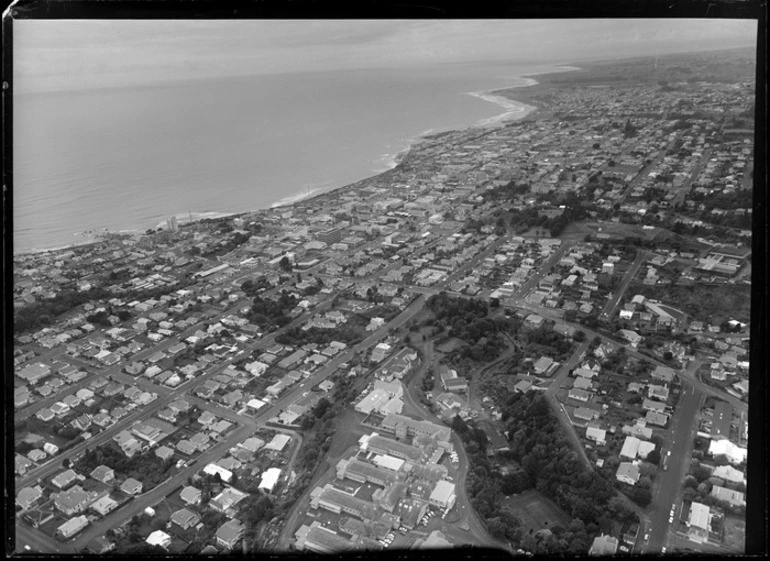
[
  {"x": 44, "y": 312},
  {"x": 146, "y": 467},
  {"x": 228, "y": 245},
  {"x": 699, "y": 490},
  {"x": 550, "y": 466},
  {"x": 271, "y": 314},
  {"x": 101, "y": 317},
  {"x": 466, "y": 319},
  {"x": 545, "y": 341},
  {"x": 252, "y": 286},
  {"x": 252, "y": 511},
  {"x": 35, "y": 426},
  {"x": 319, "y": 428},
  {"x": 297, "y": 337},
  {"x": 507, "y": 193}
]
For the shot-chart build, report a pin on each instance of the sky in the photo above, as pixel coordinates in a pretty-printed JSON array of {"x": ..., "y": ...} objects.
[{"x": 51, "y": 55}]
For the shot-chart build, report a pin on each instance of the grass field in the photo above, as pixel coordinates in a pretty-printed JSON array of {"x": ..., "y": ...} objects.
[
  {"x": 536, "y": 512},
  {"x": 708, "y": 303},
  {"x": 735, "y": 534}
]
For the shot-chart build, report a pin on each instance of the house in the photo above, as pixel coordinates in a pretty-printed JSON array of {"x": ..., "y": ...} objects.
[
  {"x": 699, "y": 522},
  {"x": 663, "y": 373},
  {"x": 72, "y": 526},
  {"x": 45, "y": 414},
  {"x": 278, "y": 443},
  {"x": 159, "y": 538},
  {"x": 72, "y": 501},
  {"x": 522, "y": 386},
  {"x": 596, "y": 434},
  {"x": 200, "y": 440},
  {"x": 657, "y": 419},
  {"x": 657, "y": 392},
  {"x": 22, "y": 464},
  {"x": 185, "y": 518},
  {"x": 543, "y": 365},
  {"x": 584, "y": 413},
  {"x": 656, "y": 406},
  {"x": 627, "y": 473},
  {"x": 37, "y": 455},
  {"x": 28, "y": 497},
  {"x": 252, "y": 444},
  {"x": 104, "y": 505},
  {"x": 735, "y": 498},
  {"x": 581, "y": 383},
  {"x": 65, "y": 479},
  {"x": 191, "y": 495},
  {"x": 735, "y": 454},
  {"x": 164, "y": 452},
  {"x": 269, "y": 479},
  {"x": 127, "y": 443},
  {"x": 604, "y": 545},
  {"x": 729, "y": 473},
  {"x": 186, "y": 447},
  {"x": 227, "y": 499},
  {"x": 633, "y": 447},
  {"x": 580, "y": 395},
  {"x": 631, "y": 336},
  {"x": 229, "y": 533},
  {"x": 51, "y": 448},
  {"x": 104, "y": 474},
  {"x": 131, "y": 486},
  {"x": 224, "y": 474}
]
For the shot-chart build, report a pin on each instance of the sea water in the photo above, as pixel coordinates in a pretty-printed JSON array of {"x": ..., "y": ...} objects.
[{"x": 128, "y": 158}]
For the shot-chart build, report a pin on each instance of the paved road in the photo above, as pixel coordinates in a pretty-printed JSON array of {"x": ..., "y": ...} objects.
[
  {"x": 35, "y": 539},
  {"x": 692, "y": 178},
  {"x": 643, "y": 173},
  {"x": 217, "y": 451},
  {"x": 558, "y": 380},
  {"x": 115, "y": 369},
  {"x": 146, "y": 411},
  {"x": 463, "y": 512},
  {"x": 609, "y": 308},
  {"x": 667, "y": 487},
  {"x": 738, "y": 405},
  {"x": 542, "y": 271}
]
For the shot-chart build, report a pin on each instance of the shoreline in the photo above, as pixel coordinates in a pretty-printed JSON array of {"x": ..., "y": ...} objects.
[{"x": 514, "y": 111}]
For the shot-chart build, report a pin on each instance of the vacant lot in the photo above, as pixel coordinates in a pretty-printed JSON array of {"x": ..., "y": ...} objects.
[
  {"x": 735, "y": 534},
  {"x": 712, "y": 304},
  {"x": 536, "y": 512}
]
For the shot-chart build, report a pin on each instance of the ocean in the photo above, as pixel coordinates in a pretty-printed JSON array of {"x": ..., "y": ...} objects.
[{"x": 127, "y": 159}]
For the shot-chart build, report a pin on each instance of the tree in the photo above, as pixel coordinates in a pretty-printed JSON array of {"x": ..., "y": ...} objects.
[
  {"x": 285, "y": 264},
  {"x": 654, "y": 457}
]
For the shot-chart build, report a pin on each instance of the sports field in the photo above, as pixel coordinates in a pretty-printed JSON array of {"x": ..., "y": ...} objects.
[{"x": 536, "y": 512}]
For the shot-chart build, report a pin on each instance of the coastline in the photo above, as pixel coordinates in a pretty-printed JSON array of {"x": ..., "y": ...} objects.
[{"x": 513, "y": 111}]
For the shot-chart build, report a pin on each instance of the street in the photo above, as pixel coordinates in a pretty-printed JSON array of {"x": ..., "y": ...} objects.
[
  {"x": 667, "y": 487},
  {"x": 609, "y": 309},
  {"x": 247, "y": 428}
]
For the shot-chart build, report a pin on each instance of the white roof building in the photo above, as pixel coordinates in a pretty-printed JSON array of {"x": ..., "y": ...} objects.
[
  {"x": 255, "y": 403},
  {"x": 443, "y": 495},
  {"x": 734, "y": 453},
  {"x": 388, "y": 462},
  {"x": 269, "y": 479},
  {"x": 160, "y": 538},
  {"x": 596, "y": 434},
  {"x": 278, "y": 443},
  {"x": 213, "y": 469}
]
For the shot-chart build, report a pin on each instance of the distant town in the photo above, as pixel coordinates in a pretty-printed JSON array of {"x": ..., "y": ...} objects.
[{"x": 532, "y": 337}]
